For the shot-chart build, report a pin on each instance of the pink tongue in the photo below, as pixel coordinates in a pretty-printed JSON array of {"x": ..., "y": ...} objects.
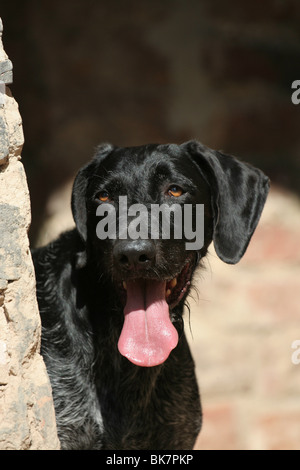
[{"x": 148, "y": 335}]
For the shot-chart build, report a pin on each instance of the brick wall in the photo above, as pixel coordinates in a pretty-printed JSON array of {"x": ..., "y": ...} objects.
[{"x": 243, "y": 324}]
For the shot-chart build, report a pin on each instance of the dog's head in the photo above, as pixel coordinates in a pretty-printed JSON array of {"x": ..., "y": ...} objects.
[{"x": 147, "y": 215}]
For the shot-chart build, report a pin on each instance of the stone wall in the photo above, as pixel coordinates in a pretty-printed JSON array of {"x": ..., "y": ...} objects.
[{"x": 26, "y": 407}]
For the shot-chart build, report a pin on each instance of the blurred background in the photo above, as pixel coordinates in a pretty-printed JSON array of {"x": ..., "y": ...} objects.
[{"x": 134, "y": 72}]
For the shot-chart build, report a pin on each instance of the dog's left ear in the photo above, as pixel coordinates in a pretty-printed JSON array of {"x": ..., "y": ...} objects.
[
  {"x": 238, "y": 193},
  {"x": 78, "y": 202}
]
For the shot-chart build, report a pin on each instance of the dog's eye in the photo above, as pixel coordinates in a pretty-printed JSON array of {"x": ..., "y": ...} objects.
[
  {"x": 175, "y": 191},
  {"x": 103, "y": 196}
]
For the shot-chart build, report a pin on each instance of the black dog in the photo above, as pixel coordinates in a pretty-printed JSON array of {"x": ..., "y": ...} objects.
[{"x": 101, "y": 300}]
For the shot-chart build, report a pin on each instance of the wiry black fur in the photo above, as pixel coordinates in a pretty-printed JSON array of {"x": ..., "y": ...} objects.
[{"x": 102, "y": 400}]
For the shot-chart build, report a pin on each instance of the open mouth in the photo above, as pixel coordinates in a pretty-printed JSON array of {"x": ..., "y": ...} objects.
[
  {"x": 148, "y": 335},
  {"x": 175, "y": 288}
]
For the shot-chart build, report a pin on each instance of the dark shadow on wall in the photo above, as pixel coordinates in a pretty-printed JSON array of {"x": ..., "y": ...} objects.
[{"x": 135, "y": 72}]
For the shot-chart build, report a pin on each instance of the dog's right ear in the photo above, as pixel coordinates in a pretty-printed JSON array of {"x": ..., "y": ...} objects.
[{"x": 78, "y": 201}]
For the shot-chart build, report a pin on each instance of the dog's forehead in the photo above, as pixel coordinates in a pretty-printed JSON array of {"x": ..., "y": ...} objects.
[{"x": 165, "y": 160}]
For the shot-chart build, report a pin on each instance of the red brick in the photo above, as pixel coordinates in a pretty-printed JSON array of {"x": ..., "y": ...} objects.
[
  {"x": 219, "y": 430},
  {"x": 280, "y": 431},
  {"x": 276, "y": 298},
  {"x": 274, "y": 243}
]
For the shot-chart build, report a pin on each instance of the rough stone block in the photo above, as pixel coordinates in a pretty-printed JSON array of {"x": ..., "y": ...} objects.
[{"x": 26, "y": 406}]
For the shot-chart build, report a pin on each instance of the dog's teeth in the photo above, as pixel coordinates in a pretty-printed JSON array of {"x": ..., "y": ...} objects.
[
  {"x": 168, "y": 292},
  {"x": 124, "y": 285},
  {"x": 173, "y": 282}
]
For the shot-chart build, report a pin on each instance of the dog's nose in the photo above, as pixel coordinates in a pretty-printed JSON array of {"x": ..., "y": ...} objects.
[{"x": 134, "y": 253}]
